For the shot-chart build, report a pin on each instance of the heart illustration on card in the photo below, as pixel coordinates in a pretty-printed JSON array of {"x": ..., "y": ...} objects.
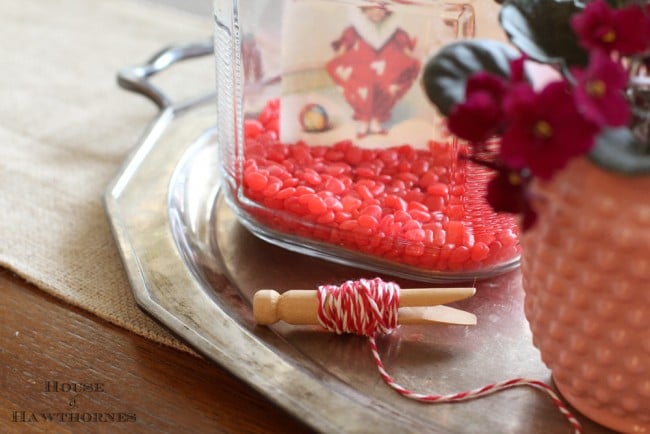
[{"x": 344, "y": 72}]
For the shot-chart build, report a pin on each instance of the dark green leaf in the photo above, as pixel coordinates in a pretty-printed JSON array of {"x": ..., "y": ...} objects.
[
  {"x": 617, "y": 150},
  {"x": 446, "y": 74},
  {"x": 542, "y": 30}
]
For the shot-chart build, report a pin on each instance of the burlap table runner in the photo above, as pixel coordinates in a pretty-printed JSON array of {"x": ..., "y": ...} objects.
[{"x": 65, "y": 127}]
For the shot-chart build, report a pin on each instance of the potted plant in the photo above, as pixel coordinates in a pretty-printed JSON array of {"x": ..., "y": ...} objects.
[{"x": 571, "y": 155}]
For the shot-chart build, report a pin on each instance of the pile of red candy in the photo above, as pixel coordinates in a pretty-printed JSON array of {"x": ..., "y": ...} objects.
[{"x": 422, "y": 208}]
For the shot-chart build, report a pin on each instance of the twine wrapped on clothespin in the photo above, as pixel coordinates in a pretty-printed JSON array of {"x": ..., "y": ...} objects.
[{"x": 371, "y": 306}]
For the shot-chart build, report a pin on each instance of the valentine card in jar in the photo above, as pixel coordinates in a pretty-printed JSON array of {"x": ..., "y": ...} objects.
[{"x": 355, "y": 75}]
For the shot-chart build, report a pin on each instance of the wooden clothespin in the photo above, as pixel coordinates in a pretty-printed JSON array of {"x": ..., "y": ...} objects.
[{"x": 416, "y": 306}]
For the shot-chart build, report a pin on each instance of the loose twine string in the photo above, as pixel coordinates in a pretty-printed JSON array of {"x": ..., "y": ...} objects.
[{"x": 370, "y": 306}]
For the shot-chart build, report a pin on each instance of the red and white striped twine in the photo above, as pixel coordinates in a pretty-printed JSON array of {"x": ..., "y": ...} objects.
[{"x": 370, "y": 306}]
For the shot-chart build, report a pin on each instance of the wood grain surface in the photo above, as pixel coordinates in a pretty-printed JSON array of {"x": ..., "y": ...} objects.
[{"x": 125, "y": 383}]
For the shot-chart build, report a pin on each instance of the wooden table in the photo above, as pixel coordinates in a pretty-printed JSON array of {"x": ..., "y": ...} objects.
[{"x": 153, "y": 389}]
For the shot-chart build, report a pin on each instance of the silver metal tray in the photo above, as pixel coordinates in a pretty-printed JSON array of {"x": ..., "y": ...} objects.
[{"x": 193, "y": 267}]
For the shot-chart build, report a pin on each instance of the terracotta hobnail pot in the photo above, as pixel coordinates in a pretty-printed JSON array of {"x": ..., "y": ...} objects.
[{"x": 586, "y": 275}]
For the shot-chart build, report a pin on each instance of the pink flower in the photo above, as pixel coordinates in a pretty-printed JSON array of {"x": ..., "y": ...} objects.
[
  {"x": 545, "y": 130},
  {"x": 508, "y": 192},
  {"x": 480, "y": 115},
  {"x": 599, "y": 92},
  {"x": 633, "y": 23},
  {"x": 600, "y": 27},
  {"x": 518, "y": 69}
]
